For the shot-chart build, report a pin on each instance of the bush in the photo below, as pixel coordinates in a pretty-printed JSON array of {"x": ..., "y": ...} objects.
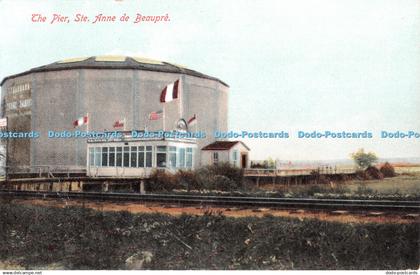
[
  {"x": 225, "y": 169},
  {"x": 318, "y": 177},
  {"x": 223, "y": 183},
  {"x": 388, "y": 170},
  {"x": 224, "y": 177},
  {"x": 162, "y": 181},
  {"x": 188, "y": 180},
  {"x": 121, "y": 187},
  {"x": 360, "y": 175},
  {"x": 92, "y": 187},
  {"x": 373, "y": 173}
]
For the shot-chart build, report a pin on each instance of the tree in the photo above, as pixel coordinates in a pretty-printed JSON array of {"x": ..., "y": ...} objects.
[
  {"x": 271, "y": 163},
  {"x": 364, "y": 160}
]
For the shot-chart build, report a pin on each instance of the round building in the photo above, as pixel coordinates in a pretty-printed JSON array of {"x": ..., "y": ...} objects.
[{"x": 107, "y": 90}]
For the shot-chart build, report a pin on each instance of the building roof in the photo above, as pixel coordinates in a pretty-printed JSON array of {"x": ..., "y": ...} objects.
[
  {"x": 223, "y": 145},
  {"x": 115, "y": 62}
]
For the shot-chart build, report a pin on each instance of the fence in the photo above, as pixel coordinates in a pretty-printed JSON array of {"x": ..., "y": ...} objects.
[
  {"x": 48, "y": 171},
  {"x": 297, "y": 172}
]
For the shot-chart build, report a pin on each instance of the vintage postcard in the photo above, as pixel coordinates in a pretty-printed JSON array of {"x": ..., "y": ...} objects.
[{"x": 210, "y": 135}]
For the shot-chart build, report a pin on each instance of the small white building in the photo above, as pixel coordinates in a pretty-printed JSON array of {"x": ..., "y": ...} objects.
[
  {"x": 233, "y": 152},
  {"x": 129, "y": 156}
]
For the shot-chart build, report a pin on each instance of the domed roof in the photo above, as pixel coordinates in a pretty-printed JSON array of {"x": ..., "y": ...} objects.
[{"x": 115, "y": 62}]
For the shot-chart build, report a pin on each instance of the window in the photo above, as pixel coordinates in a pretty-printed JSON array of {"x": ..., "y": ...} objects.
[
  {"x": 140, "y": 160},
  {"x": 91, "y": 156},
  {"x": 181, "y": 154},
  {"x": 112, "y": 156},
  {"x": 97, "y": 156},
  {"x": 149, "y": 155},
  {"x": 215, "y": 157},
  {"x": 119, "y": 156},
  {"x": 133, "y": 159},
  {"x": 161, "y": 156},
  {"x": 172, "y": 156},
  {"x": 189, "y": 158},
  {"x": 104, "y": 156},
  {"x": 235, "y": 157},
  {"x": 126, "y": 156}
]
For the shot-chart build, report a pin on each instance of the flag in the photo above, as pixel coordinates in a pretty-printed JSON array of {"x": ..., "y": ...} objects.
[
  {"x": 3, "y": 122},
  {"x": 192, "y": 121},
  {"x": 155, "y": 115},
  {"x": 81, "y": 121},
  {"x": 119, "y": 123},
  {"x": 170, "y": 92}
]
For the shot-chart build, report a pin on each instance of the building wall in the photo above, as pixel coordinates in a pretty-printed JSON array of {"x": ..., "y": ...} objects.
[
  {"x": 207, "y": 157},
  {"x": 208, "y": 100},
  {"x": 55, "y": 105},
  {"x": 60, "y": 97},
  {"x": 241, "y": 149},
  {"x": 17, "y": 92},
  {"x": 225, "y": 155}
]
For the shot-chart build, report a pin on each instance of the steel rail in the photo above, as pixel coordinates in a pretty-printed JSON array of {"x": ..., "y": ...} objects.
[{"x": 307, "y": 203}]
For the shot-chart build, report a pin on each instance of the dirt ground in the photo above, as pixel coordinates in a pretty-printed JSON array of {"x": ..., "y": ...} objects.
[{"x": 177, "y": 210}]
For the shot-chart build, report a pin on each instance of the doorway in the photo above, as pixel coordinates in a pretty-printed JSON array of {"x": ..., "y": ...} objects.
[{"x": 244, "y": 160}]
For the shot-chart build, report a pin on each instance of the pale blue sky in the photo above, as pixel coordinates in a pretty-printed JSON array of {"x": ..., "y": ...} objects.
[{"x": 291, "y": 65}]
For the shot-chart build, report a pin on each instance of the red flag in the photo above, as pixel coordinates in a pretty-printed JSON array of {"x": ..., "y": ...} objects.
[
  {"x": 81, "y": 121},
  {"x": 170, "y": 92},
  {"x": 119, "y": 123},
  {"x": 155, "y": 115}
]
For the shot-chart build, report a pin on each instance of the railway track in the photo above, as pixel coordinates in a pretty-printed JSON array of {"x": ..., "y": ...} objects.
[{"x": 230, "y": 201}]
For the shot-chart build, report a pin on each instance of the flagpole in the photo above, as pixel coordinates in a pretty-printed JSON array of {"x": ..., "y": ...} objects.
[
  {"x": 146, "y": 122},
  {"x": 164, "y": 118},
  {"x": 196, "y": 123},
  {"x": 181, "y": 92},
  {"x": 124, "y": 124},
  {"x": 88, "y": 122}
]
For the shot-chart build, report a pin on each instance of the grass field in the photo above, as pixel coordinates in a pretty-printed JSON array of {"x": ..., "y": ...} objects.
[
  {"x": 407, "y": 169},
  {"x": 401, "y": 187},
  {"x": 406, "y": 184},
  {"x": 38, "y": 237}
]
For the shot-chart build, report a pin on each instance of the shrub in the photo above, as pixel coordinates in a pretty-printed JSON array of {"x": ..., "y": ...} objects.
[
  {"x": 223, "y": 183},
  {"x": 225, "y": 169},
  {"x": 92, "y": 187},
  {"x": 312, "y": 190},
  {"x": 388, "y": 170},
  {"x": 360, "y": 175},
  {"x": 318, "y": 177},
  {"x": 373, "y": 173},
  {"x": 188, "y": 180},
  {"x": 222, "y": 177},
  {"x": 162, "y": 181}
]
